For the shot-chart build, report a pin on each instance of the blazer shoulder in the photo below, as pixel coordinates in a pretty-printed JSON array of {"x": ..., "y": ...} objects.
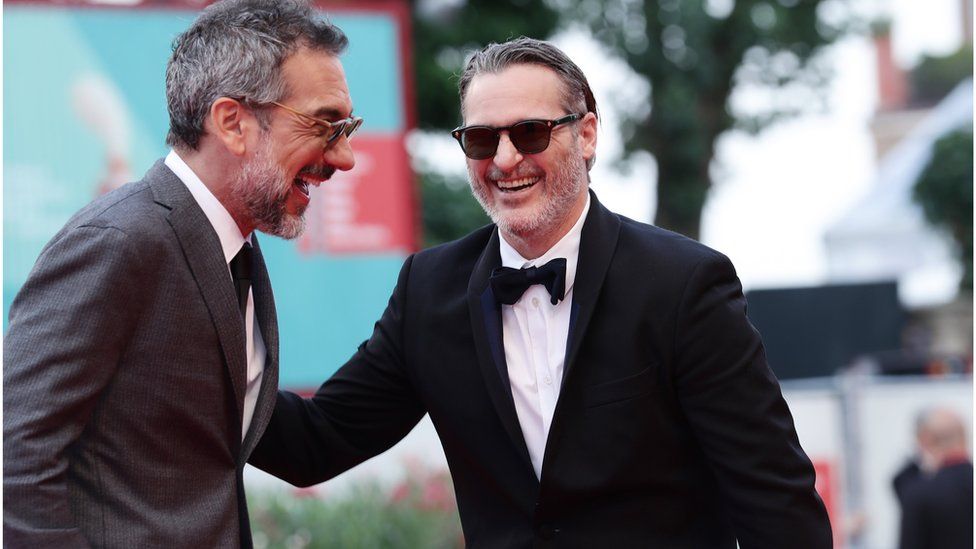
[
  {"x": 457, "y": 253},
  {"x": 664, "y": 246},
  {"x": 124, "y": 208},
  {"x": 129, "y": 210}
]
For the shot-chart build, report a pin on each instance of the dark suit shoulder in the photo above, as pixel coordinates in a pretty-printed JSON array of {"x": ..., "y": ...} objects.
[
  {"x": 124, "y": 208},
  {"x": 130, "y": 211},
  {"x": 463, "y": 251},
  {"x": 664, "y": 247}
]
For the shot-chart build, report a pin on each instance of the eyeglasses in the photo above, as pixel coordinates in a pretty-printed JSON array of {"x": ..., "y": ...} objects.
[
  {"x": 331, "y": 131},
  {"x": 528, "y": 136}
]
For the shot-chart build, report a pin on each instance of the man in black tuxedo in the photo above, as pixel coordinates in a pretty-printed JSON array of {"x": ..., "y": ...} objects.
[{"x": 594, "y": 380}]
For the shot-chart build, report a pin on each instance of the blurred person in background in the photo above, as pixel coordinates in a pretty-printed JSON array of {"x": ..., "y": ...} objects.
[
  {"x": 141, "y": 360},
  {"x": 594, "y": 380},
  {"x": 936, "y": 492}
]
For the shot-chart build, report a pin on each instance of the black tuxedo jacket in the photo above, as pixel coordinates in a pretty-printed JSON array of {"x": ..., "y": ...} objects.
[{"x": 670, "y": 430}]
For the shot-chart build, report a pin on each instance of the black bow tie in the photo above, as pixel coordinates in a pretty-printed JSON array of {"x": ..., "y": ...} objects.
[{"x": 509, "y": 284}]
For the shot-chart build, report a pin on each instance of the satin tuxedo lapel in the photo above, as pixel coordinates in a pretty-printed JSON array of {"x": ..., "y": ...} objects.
[
  {"x": 486, "y": 325},
  {"x": 598, "y": 242},
  {"x": 264, "y": 309},
  {"x": 205, "y": 257}
]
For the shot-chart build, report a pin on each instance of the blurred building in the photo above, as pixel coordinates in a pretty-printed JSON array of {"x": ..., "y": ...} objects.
[
  {"x": 891, "y": 303},
  {"x": 885, "y": 236}
]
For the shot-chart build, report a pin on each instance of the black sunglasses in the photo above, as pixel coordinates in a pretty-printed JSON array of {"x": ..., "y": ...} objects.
[{"x": 528, "y": 136}]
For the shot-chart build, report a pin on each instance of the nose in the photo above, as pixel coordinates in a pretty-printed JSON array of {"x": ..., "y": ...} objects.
[
  {"x": 506, "y": 156},
  {"x": 340, "y": 155}
]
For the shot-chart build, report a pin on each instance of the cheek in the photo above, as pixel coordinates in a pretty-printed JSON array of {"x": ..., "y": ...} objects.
[{"x": 477, "y": 169}]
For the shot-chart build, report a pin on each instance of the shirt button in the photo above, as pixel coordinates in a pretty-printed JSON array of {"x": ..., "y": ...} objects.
[
  {"x": 548, "y": 380},
  {"x": 535, "y": 302}
]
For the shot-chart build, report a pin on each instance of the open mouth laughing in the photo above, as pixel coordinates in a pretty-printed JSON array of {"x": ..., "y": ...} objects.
[
  {"x": 515, "y": 185},
  {"x": 312, "y": 177}
]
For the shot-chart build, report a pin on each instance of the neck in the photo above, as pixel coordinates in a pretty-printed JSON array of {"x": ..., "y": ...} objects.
[{"x": 534, "y": 245}]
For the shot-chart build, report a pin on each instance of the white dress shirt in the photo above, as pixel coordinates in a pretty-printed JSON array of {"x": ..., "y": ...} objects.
[
  {"x": 535, "y": 333},
  {"x": 231, "y": 240}
]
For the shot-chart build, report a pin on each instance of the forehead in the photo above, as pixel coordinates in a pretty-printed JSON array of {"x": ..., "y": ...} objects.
[
  {"x": 317, "y": 84},
  {"x": 515, "y": 93}
]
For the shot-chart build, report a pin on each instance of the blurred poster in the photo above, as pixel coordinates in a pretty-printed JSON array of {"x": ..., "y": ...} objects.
[{"x": 85, "y": 112}]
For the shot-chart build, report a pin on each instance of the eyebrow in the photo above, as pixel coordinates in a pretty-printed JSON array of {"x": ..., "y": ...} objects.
[{"x": 328, "y": 113}]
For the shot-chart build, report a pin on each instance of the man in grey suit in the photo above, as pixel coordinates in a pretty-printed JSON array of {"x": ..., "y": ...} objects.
[{"x": 140, "y": 365}]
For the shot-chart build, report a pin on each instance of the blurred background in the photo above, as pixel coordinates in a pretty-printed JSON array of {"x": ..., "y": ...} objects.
[{"x": 825, "y": 146}]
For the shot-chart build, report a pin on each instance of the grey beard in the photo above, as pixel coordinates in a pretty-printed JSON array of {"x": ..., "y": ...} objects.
[{"x": 262, "y": 189}]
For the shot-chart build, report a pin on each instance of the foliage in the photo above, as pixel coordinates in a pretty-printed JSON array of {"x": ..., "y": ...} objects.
[
  {"x": 449, "y": 209},
  {"x": 695, "y": 53},
  {"x": 418, "y": 513},
  {"x": 443, "y": 37},
  {"x": 934, "y": 77},
  {"x": 945, "y": 192}
]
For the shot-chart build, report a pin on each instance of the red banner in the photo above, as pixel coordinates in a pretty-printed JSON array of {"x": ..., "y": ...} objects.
[{"x": 362, "y": 211}]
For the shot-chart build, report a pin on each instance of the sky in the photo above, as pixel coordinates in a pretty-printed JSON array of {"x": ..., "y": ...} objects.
[{"x": 775, "y": 193}]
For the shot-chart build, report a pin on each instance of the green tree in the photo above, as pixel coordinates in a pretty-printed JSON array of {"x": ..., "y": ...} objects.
[
  {"x": 935, "y": 76},
  {"x": 945, "y": 192},
  {"x": 442, "y": 38},
  {"x": 695, "y": 53}
]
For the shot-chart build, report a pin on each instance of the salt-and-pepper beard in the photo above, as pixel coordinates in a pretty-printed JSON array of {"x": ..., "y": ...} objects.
[
  {"x": 261, "y": 189},
  {"x": 562, "y": 185}
]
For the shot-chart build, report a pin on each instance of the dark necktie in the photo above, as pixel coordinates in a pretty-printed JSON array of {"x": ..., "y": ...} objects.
[
  {"x": 240, "y": 269},
  {"x": 509, "y": 284}
]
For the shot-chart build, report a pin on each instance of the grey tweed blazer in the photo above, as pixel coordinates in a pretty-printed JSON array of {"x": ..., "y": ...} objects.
[{"x": 123, "y": 380}]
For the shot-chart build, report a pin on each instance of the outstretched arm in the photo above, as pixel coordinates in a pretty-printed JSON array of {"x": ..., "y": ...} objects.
[{"x": 361, "y": 411}]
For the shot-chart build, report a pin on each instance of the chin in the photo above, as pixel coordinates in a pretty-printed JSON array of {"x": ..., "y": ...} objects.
[
  {"x": 289, "y": 227},
  {"x": 519, "y": 224}
]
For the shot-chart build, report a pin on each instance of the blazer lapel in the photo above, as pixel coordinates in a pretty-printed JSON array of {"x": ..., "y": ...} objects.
[
  {"x": 486, "y": 325},
  {"x": 205, "y": 257},
  {"x": 264, "y": 309},
  {"x": 597, "y": 244}
]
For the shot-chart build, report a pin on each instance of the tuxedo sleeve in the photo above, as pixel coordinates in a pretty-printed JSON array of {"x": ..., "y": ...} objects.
[
  {"x": 68, "y": 327},
  {"x": 361, "y": 411},
  {"x": 738, "y": 415}
]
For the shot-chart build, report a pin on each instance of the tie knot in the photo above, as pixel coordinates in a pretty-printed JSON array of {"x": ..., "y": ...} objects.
[{"x": 509, "y": 284}]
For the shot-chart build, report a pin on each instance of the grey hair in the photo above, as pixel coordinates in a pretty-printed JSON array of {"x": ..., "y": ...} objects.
[
  {"x": 236, "y": 48},
  {"x": 493, "y": 58}
]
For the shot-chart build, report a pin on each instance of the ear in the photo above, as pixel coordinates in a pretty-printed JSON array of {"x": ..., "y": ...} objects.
[
  {"x": 231, "y": 123},
  {"x": 588, "y": 127}
]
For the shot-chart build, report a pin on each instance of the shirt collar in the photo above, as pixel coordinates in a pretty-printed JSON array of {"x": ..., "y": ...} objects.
[
  {"x": 227, "y": 230},
  {"x": 568, "y": 247}
]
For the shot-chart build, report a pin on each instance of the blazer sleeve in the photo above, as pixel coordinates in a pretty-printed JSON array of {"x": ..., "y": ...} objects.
[
  {"x": 68, "y": 327},
  {"x": 361, "y": 411},
  {"x": 737, "y": 412}
]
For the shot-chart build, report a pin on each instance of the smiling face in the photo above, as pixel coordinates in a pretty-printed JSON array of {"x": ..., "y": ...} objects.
[
  {"x": 533, "y": 198},
  {"x": 273, "y": 184}
]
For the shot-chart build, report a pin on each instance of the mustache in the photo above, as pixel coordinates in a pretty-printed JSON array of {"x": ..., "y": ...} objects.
[
  {"x": 324, "y": 172},
  {"x": 520, "y": 171}
]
